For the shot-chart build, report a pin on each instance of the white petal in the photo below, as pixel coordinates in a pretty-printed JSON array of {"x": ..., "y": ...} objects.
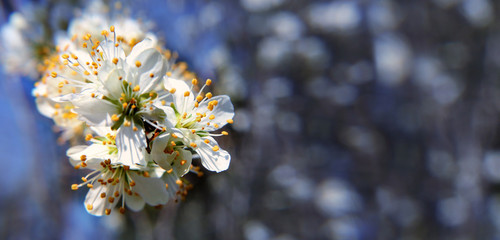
[
  {"x": 171, "y": 119},
  {"x": 152, "y": 62},
  {"x": 135, "y": 203},
  {"x": 222, "y": 112},
  {"x": 170, "y": 181},
  {"x": 157, "y": 152},
  {"x": 99, "y": 205},
  {"x": 217, "y": 161},
  {"x": 179, "y": 99},
  {"x": 182, "y": 169},
  {"x": 45, "y": 107},
  {"x": 130, "y": 146},
  {"x": 102, "y": 131},
  {"x": 111, "y": 51},
  {"x": 95, "y": 111},
  {"x": 152, "y": 190},
  {"x": 139, "y": 48},
  {"x": 95, "y": 154},
  {"x": 113, "y": 85}
]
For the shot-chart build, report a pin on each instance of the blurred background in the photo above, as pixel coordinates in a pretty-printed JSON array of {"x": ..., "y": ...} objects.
[{"x": 354, "y": 120}]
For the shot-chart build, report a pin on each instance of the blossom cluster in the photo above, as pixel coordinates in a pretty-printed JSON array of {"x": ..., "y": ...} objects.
[{"x": 143, "y": 116}]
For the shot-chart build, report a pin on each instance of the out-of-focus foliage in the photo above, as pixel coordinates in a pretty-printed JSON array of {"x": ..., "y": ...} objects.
[{"x": 354, "y": 120}]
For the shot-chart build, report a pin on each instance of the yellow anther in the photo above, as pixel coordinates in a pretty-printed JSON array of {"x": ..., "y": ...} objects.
[
  {"x": 172, "y": 143},
  {"x": 111, "y": 199},
  {"x": 74, "y": 186},
  {"x": 183, "y": 162},
  {"x": 112, "y": 28},
  {"x": 184, "y": 115},
  {"x": 193, "y": 131},
  {"x": 115, "y": 117},
  {"x": 145, "y": 174},
  {"x": 84, "y": 179},
  {"x": 170, "y": 170},
  {"x": 86, "y": 73},
  {"x": 84, "y": 45},
  {"x": 151, "y": 75},
  {"x": 225, "y": 133},
  {"x": 103, "y": 195},
  {"x": 125, "y": 105},
  {"x": 53, "y": 74},
  {"x": 194, "y": 81},
  {"x": 208, "y": 82},
  {"x": 90, "y": 185},
  {"x": 216, "y": 125},
  {"x": 126, "y": 124},
  {"x": 122, "y": 209},
  {"x": 169, "y": 74},
  {"x": 74, "y": 56},
  {"x": 230, "y": 121},
  {"x": 215, "y": 148},
  {"x": 209, "y": 95},
  {"x": 196, "y": 104},
  {"x": 115, "y": 60},
  {"x": 136, "y": 88},
  {"x": 104, "y": 33},
  {"x": 199, "y": 98},
  {"x": 135, "y": 129},
  {"x": 207, "y": 141},
  {"x": 173, "y": 135},
  {"x": 211, "y": 117},
  {"x": 186, "y": 93},
  {"x": 83, "y": 157},
  {"x": 193, "y": 144},
  {"x": 163, "y": 102},
  {"x": 166, "y": 185},
  {"x": 107, "y": 211},
  {"x": 132, "y": 183},
  {"x": 172, "y": 90},
  {"x": 90, "y": 207},
  {"x": 88, "y": 137},
  {"x": 65, "y": 56},
  {"x": 117, "y": 194},
  {"x": 138, "y": 64},
  {"x": 92, "y": 94},
  {"x": 76, "y": 64},
  {"x": 178, "y": 182}
]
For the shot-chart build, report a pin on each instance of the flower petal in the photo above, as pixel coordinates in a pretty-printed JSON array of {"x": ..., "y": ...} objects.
[
  {"x": 94, "y": 111},
  {"x": 134, "y": 202},
  {"x": 181, "y": 87},
  {"x": 94, "y": 154},
  {"x": 95, "y": 204},
  {"x": 217, "y": 161},
  {"x": 113, "y": 84},
  {"x": 171, "y": 184},
  {"x": 152, "y": 65},
  {"x": 182, "y": 163},
  {"x": 111, "y": 51},
  {"x": 152, "y": 190},
  {"x": 131, "y": 145},
  {"x": 221, "y": 113}
]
